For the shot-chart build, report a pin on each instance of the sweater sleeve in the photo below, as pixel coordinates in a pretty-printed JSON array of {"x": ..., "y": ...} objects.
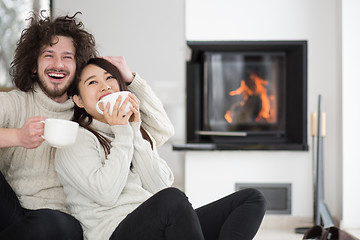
[
  {"x": 83, "y": 166},
  {"x": 10, "y": 110},
  {"x": 153, "y": 115},
  {"x": 11, "y": 115},
  {"x": 154, "y": 172}
]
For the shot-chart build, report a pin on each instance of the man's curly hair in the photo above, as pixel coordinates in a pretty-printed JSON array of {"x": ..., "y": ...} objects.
[{"x": 39, "y": 33}]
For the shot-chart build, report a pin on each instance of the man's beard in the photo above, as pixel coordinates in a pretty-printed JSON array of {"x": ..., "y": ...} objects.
[{"x": 53, "y": 91}]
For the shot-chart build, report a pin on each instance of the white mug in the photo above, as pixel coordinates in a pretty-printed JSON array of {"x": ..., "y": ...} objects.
[
  {"x": 111, "y": 98},
  {"x": 60, "y": 133}
]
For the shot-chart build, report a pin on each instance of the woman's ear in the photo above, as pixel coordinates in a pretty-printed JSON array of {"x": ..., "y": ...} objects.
[{"x": 77, "y": 100}]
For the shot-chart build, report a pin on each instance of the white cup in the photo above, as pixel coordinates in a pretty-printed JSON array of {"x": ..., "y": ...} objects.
[
  {"x": 111, "y": 98},
  {"x": 60, "y": 133}
]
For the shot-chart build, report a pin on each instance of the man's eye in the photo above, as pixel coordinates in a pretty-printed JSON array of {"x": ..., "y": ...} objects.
[
  {"x": 69, "y": 57},
  {"x": 48, "y": 56}
]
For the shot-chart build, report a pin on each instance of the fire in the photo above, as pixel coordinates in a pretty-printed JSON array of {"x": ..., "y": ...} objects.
[
  {"x": 228, "y": 116},
  {"x": 260, "y": 90},
  {"x": 242, "y": 89}
]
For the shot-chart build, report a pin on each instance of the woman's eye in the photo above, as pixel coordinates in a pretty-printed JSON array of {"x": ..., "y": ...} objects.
[
  {"x": 109, "y": 77},
  {"x": 92, "y": 82}
]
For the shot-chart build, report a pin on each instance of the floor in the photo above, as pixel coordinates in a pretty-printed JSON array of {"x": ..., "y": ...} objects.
[
  {"x": 277, "y": 235},
  {"x": 282, "y": 227}
]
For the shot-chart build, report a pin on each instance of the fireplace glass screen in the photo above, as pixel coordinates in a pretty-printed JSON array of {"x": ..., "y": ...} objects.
[
  {"x": 244, "y": 92},
  {"x": 246, "y": 95}
]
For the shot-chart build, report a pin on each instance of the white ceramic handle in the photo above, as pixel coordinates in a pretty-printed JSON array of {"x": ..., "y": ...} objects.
[
  {"x": 43, "y": 123},
  {"x": 97, "y": 107}
]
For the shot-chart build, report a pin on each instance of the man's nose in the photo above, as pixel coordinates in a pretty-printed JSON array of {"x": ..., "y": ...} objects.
[{"x": 59, "y": 63}]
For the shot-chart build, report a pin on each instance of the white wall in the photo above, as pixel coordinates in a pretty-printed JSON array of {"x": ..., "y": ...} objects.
[
  {"x": 150, "y": 34},
  {"x": 351, "y": 112},
  {"x": 314, "y": 21}
]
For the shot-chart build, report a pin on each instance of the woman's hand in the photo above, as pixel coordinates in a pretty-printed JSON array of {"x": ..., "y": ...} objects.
[
  {"x": 118, "y": 117},
  {"x": 135, "y": 108},
  {"x": 120, "y": 63}
]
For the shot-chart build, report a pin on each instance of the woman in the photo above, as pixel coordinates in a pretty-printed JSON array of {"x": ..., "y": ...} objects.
[{"x": 118, "y": 187}]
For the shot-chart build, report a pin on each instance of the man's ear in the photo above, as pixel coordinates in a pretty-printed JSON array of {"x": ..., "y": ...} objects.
[{"x": 77, "y": 100}]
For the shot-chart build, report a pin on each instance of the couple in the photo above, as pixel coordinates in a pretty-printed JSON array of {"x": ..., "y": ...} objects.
[{"x": 116, "y": 185}]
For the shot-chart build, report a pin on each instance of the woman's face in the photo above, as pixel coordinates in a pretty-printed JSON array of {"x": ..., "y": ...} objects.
[{"x": 94, "y": 84}]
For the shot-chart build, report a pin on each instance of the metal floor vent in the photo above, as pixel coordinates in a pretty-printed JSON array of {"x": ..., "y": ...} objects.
[{"x": 277, "y": 195}]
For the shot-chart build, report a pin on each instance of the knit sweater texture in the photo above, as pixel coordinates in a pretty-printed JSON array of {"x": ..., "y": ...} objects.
[
  {"x": 31, "y": 172},
  {"x": 102, "y": 192}
]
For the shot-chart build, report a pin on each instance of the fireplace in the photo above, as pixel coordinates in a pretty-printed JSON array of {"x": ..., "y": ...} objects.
[{"x": 249, "y": 95}]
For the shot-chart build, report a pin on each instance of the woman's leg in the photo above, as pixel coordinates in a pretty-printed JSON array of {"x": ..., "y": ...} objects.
[
  {"x": 166, "y": 215},
  {"x": 235, "y": 217},
  {"x": 43, "y": 224}
]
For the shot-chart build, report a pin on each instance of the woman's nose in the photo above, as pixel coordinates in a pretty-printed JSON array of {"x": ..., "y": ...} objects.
[{"x": 105, "y": 87}]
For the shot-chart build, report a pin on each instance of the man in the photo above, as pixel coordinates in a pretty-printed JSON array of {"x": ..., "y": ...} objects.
[{"x": 49, "y": 55}]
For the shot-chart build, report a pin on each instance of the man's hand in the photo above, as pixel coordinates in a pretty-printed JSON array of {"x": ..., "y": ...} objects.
[
  {"x": 30, "y": 134},
  {"x": 120, "y": 63}
]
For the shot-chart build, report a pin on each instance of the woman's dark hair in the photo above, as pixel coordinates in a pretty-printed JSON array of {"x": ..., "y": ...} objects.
[
  {"x": 84, "y": 119},
  {"x": 39, "y": 33}
]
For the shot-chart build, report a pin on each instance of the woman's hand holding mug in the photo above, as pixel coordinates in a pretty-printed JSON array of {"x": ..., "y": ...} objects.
[
  {"x": 120, "y": 108},
  {"x": 135, "y": 108}
]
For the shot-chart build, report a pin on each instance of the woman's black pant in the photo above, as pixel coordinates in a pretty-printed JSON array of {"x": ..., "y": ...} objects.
[
  {"x": 17, "y": 223},
  {"x": 169, "y": 215}
]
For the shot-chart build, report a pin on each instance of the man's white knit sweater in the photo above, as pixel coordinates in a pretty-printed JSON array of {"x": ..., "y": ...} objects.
[
  {"x": 102, "y": 192},
  {"x": 31, "y": 172}
]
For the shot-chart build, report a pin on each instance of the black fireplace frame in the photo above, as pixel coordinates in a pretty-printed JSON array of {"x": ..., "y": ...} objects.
[{"x": 295, "y": 137}]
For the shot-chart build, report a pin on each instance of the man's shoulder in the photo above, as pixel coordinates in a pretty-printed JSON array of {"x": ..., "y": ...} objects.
[
  {"x": 6, "y": 89},
  {"x": 11, "y": 91},
  {"x": 14, "y": 94}
]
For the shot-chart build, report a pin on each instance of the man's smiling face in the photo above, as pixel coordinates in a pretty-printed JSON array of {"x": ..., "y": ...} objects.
[{"x": 56, "y": 67}]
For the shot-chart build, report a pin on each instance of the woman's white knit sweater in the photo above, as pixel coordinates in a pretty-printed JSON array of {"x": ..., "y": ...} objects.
[
  {"x": 102, "y": 192},
  {"x": 31, "y": 172}
]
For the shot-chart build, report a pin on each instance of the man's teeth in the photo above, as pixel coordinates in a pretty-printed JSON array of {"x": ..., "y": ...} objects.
[{"x": 56, "y": 75}]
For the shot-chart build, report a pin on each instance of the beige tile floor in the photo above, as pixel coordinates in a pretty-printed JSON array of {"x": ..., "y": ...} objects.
[
  {"x": 282, "y": 227},
  {"x": 281, "y": 234},
  {"x": 277, "y": 235},
  {"x": 354, "y": 232}
]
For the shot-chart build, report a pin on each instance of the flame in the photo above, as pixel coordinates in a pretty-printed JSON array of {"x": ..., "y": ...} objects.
[
  {"x": 242, "y": 89},
  {"x": 260, "y": 90},
  {"x": 228, "y": 116}
]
